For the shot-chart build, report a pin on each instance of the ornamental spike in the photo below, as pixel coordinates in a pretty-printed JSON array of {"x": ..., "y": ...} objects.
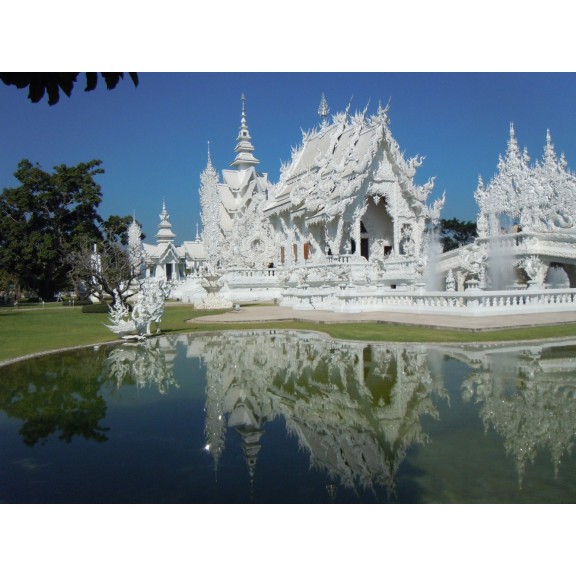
[
  {"x": 323, "y": 109},
  {"x": 209, "y": 155}
]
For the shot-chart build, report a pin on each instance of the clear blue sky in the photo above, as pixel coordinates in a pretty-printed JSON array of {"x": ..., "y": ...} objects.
[{"x": 153, "y": 139}]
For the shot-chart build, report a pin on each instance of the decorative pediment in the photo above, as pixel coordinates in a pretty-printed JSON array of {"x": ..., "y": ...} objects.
[{"x": 340, "y": 162}]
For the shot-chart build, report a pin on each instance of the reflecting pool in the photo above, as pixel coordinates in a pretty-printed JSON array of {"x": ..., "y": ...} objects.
[{"x": 280, "y": 416}]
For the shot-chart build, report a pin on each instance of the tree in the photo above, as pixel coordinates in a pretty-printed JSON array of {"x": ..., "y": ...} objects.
[
  {"x": 108, "y": 268},
  {"x": 455, "y": 233},
  {"x": 40, "y": 83},
  {"x": 116, "y": 228},
  {"x": 46, "y": 218},
  {"x": 8, "y": 286}
]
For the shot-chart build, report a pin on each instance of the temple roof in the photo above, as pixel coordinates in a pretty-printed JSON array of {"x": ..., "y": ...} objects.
[
  {"x": 338, "y": 164},
  {"x": 194, "y": 250},
  {"x": 160, "y": 251},
  {"x": 329, "y": 166}
]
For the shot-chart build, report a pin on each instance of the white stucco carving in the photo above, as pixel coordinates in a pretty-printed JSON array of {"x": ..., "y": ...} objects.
[
  {"x": 347, "y": 211},
  {"x": 148, "y": 307}
]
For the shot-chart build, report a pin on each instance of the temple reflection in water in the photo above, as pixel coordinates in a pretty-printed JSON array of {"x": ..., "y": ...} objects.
[
  {"x": 280, "y": 416},
  {"x": 356, "y": 408},
  {"x": 527, "y": 393}
]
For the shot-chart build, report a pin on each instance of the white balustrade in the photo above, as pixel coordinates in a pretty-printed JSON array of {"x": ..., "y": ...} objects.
[{"x": 460, "y": 303}]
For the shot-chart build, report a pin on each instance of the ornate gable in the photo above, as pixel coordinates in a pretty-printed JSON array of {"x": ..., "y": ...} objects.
[{"x": 338, "y": 161}]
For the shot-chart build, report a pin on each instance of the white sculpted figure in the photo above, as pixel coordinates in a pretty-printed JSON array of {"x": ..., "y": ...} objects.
[
  {"x": 149, "y": 308},
  {"x": 450, "y": 282},
  {"x": 120, "y": 322},
  {"x": 532, "y": 265}
]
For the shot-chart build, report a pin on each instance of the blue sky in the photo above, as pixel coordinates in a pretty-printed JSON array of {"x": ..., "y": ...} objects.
[{"x": 153, "y": 139}]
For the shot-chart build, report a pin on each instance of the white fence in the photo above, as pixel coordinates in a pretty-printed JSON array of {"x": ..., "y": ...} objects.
[{"x": 471, "y": 303}]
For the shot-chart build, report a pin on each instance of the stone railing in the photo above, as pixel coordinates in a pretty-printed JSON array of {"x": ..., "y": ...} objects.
[
  {"x": 340, "y": 259},
  {"x": 473, "y": 303},
  {"x": 252, "y": 272},
  {"x": 546, "y": 245},
  {"x": 251, "y": 284},
  {"x": 470, "y": 303}
]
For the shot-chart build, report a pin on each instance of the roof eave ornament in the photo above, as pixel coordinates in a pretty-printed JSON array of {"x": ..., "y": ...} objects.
[
  {"x": 383, "y": 112},
  {"x": 324, "y": 110}
]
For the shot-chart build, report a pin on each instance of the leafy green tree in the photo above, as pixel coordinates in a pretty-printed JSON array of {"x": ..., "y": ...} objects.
[
  {"x": 455, "y": 233},
  {"x": 8, "y": 286},
  {"x": 46, "y": 218},
  {"x": 115, "y": 229},
  {"x": 52, "y": 83}
]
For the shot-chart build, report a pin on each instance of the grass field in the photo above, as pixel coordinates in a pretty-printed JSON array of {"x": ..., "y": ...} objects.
[{"x": 34, "y": 330}]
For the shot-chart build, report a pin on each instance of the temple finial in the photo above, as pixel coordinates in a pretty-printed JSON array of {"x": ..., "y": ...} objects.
[
  {"x": 323, "y": 109},
  {"x": 244, "y": 157},
  {"x": 165, "y": 233},
  {"x": 243, "y": 117}
]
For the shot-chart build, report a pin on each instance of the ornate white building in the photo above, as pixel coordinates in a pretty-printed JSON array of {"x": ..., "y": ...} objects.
[
  {"x": 347, "y": 228},
  {"x": 526, "y": 225}
]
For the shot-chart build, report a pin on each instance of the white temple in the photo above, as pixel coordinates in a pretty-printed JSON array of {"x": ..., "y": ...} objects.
[{"x": 346, "y": 228}]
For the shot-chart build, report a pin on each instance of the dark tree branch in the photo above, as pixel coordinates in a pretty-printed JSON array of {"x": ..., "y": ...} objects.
[{"x": 40, "y": 83}]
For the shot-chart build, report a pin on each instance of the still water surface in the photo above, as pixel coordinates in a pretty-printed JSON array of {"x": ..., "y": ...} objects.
[{"x": 278, "y": 417}]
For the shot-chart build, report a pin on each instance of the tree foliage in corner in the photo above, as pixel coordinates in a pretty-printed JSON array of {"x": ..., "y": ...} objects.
[
  {"x": 48, "y": 217},
  {"x": 455, "y": 233},
  {"x": 52, "y": 83}
]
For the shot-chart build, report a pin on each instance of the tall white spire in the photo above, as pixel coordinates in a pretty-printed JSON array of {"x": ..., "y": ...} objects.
[
  {"x": 210, "y": 211},
  {"x": 244, "y": 157}
]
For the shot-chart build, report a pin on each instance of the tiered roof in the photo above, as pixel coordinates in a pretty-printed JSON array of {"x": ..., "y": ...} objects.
[{"x": 333, "y": 164}]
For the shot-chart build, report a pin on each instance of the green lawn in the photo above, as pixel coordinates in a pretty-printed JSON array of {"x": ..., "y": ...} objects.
[
  {"x": 30, "y": 330},
  {"x": 34, "y": 329}
]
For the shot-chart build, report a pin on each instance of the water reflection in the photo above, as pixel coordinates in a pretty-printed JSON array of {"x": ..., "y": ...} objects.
[
  {"x": 360, "y": 412},
  {"x": 355, "y": 409},
  {"x": 54, "y": 397},
  {"x": 144, "y": 365},
  {"x": 527, "y": 395}
]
